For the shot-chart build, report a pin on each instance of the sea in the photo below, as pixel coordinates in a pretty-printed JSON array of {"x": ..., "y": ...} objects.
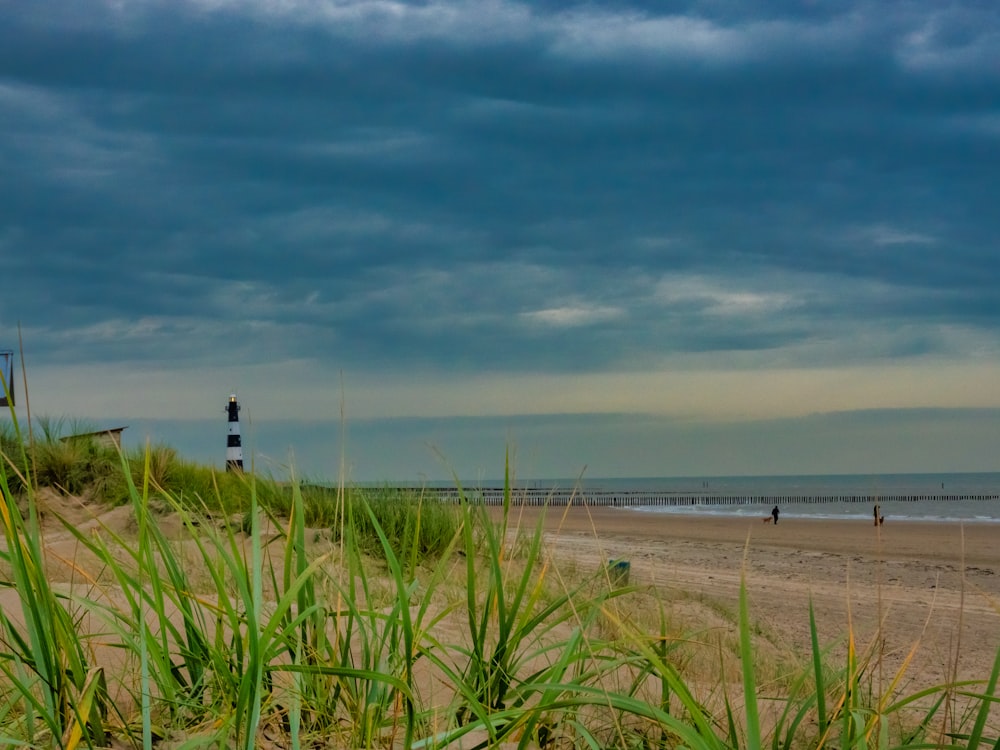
[{"x": 965, "y": 497}]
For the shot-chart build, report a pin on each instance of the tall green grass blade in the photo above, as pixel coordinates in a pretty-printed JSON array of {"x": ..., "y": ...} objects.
[
  {"x": 402, "y": 604},
  {"x": 850, "y": 698},
  {"x": 983, "y": 714},
  {"x": 817, "y": 663},
  {"x": 295, "y": 561},
  {"x": 141, "y": 505},
  {"x": 250, "y": 694},
  {"x": 753, "y": 736}
]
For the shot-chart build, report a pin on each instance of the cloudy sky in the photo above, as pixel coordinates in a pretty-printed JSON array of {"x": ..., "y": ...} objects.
[{"x": 623, "y": 238}]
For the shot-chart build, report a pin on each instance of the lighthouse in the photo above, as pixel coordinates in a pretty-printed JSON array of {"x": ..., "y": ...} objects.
[{"x": 234, "y": 445}]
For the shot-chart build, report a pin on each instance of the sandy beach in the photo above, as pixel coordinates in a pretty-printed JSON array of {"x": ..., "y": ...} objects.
[
  {"x": 932, "y": 584},
  {"x": 917, "y": 594}
]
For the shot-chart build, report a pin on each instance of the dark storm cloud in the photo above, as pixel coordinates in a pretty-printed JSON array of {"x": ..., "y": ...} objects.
[{"x": 431, "y": 183}]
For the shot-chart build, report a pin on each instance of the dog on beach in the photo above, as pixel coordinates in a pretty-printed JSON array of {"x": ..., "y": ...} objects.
[{"x": 766, "y": 519}]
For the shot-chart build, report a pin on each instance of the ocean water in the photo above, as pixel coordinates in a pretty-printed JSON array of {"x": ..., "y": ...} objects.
[{"x": 764, "y": 492}]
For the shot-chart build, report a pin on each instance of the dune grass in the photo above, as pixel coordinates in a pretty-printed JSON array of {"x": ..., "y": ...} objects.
[{"x": 285, "y": 615}]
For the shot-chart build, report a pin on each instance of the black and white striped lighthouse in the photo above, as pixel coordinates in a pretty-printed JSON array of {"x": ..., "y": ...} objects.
[{"x": 234, "y": 445}]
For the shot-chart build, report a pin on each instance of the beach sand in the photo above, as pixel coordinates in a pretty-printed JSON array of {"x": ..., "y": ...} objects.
[{"x": 905, "y": 583}]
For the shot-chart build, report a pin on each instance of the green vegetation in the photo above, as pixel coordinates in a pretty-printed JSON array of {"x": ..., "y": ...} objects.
[
  {"x": 240, "y": 611},
  {"x": 94, "y": 470}
]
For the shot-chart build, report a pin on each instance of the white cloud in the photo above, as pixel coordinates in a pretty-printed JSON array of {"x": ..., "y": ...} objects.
[
  {"x": 886, "y": 235},
  {"x": 722, "y": 297},
  {"x": 601, "y": 34},
  {"x": 605, "y": 34},
  {"x": 467, "y": 21},
  {"x": 117, "y": 330},
  {"x": 573, "y": 316},
  {"x": 370, "y": 142}
]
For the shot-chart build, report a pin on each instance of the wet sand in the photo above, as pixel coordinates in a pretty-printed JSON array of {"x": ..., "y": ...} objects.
[{"x": 936, "y": 584}]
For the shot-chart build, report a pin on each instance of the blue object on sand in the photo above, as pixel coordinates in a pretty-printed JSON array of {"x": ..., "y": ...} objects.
[{"x": 618, "y": 571}]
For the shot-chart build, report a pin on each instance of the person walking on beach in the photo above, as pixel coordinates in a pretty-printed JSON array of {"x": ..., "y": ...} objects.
[
  {"x": 774, "y": 512},
  {"x": 878, "y": 518}
]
